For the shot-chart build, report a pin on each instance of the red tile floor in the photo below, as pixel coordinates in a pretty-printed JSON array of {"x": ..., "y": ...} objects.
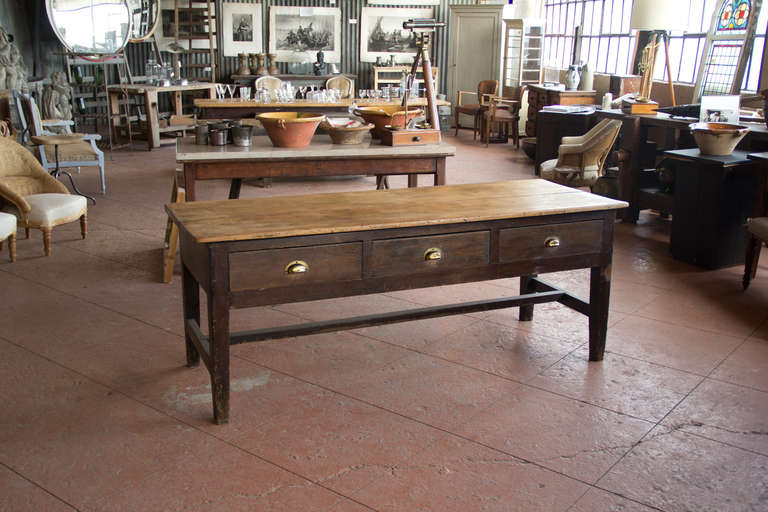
[{"x": 465, "y": 413}]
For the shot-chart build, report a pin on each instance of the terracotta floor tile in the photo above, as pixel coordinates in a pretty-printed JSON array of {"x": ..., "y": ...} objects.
[
  {"x": 332, "y": 360},
  {"x": 681, "y": 472},
  {"x": 501, "y": 350},
  {"x": 747, "y": 365},
  {"x": 19, "y": 494},
  {"x": 567, "y": 436},
  {"x": 455, "y": 293},
  {"x": 457, "y": 475},
  {"x": 734, "y": 313},
  {"x": 597, "y": 500},
  {"x": 672, "y": 345},
  {"x": 724, "y": 412},
  {"x": 349, "y": 506},
  {"x": 434, "y": 391},
  {"x": 419, "y": 334},
  {"x": 344, "y": 307},
  {"x": 619, "y": 384}
]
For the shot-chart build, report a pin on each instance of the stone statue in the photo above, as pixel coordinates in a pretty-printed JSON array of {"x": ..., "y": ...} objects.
[
  {"x": 5, "y": 57},
  {"x": 13, "y": 73},
  {"x": 320, "y": 66},
  {"x": 57, "y": 98}
]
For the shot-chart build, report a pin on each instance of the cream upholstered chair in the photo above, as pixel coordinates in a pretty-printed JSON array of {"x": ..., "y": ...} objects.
[
  {"x": 580, "y": 160},
  {"x": 83, "y": 154},
  {"x": 38, "y": 199},
  {"x": 269, "y": 83},
  {"x": 8, "y": 225},
  {"x": 341, "y": 83}
]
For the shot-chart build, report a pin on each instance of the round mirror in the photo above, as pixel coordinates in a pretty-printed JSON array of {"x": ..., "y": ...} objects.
[
  {"x": 144, "y": 18},
  {"x": 90, "y": 26}
]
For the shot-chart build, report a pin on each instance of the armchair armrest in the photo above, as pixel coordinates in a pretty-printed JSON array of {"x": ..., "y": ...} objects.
[
  {"x": 17, "y": 199},
  {"x": 458, "y": 99},
  {"x": 57, "y": 122},
  {"x": 570, "y": 149},
  {"x": 91, "y": 136}
]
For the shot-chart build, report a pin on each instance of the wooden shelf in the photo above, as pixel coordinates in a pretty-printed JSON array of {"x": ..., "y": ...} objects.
[{"x": 383, "y": 75}]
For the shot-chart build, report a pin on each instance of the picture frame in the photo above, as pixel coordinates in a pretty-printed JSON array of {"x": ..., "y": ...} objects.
[
  {"x": 296, "y": 34},
  {"x": 242, "y": 28},
  {"x": 382, "y": 33}
]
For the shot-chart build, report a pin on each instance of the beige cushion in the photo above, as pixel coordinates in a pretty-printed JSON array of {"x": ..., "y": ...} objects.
[
  {"x": 7, "y": 225},
  {"x": 48, "y": 210},
  {"x": 759, "y": 227},
  {"x": 80, "y": 152}
]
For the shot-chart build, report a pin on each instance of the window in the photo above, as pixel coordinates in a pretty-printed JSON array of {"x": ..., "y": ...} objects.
[{"x": 607, "y": 43}]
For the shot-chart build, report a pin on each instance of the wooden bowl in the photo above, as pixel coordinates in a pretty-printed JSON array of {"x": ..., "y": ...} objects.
[
  {"x": 393, "y": 115},
  {"x": 346, "y": 135},
  {"x": 290, "y": 129},
  {"x": 717, "y": 139}
]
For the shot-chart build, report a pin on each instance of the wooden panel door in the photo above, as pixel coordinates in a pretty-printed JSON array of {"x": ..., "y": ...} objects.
[{"x": 474, "y": 53}]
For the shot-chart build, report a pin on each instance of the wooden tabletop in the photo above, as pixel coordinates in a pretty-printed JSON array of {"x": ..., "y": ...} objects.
[
  {"x": 320, "y": 147},
  {"x": 142, "y": 88},
  {"x": 283, "y": 216},
  {"x": 344, "y": 102}
]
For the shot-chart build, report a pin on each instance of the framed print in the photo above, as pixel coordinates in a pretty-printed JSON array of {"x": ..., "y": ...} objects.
[
  {"x": 296, "y": 34},
  {"x": 382, "y": 33},
  {"x": 404, "y": 2},
  {"x": 241, "y": 28}
]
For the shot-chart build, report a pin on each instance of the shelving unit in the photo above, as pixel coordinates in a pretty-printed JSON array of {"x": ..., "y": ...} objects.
[
  {"x": 195, "y": 21},
  {"x": 523, "y": 44},
  {"x": 390, "y": 75}
]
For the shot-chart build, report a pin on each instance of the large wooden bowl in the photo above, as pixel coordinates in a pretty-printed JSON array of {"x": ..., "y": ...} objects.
[
  {"x": 717, "y": 139},
  {"x": 346, "y": 134},
  {"x": 392, "y": 115},
  {"x": 290, "y": 129}
]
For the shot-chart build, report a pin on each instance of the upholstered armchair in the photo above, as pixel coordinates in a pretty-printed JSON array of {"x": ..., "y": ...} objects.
[
  {"x": 580, "y": 160},
  {"x": 269, "y": 83},
  {"x": 485, "y": 89},
  {"x": 38, "y": 199},
  {"x": 342, "y": 84}
]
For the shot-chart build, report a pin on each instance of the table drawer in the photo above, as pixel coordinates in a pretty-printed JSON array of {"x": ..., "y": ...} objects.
[
  {"x": 555, "y": 240},
  {"x": 274, "y": 268},
  {"x": 432, "y": 253}
]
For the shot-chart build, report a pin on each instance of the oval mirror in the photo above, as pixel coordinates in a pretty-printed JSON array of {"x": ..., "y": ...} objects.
[
  {"x": 90, "y": 26},
  {"x": 144, "y": 18}
]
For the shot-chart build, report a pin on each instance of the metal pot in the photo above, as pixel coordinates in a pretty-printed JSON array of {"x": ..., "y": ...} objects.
[
  {"x": 201, "y": 134},
  {"x": 241, "y": 135},
  {"x": 218, "y": 137}
]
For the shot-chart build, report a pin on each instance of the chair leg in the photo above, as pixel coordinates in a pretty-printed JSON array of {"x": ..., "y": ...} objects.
[
  {"x": 12, "y": 246},
  {"x": 27, "y": 232},
  {"x": 516, "y": 133},
  {"x": 84, "y": 226},
  {"x": 487, "y": 132},
  {"x": 456, "y": 123},
  {"x": 754, "y": 245},
  {"x": 47, "y": 240},
  {"x": 475, "y": 128}
]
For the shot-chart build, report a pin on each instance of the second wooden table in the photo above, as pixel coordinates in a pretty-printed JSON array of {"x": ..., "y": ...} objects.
[{"x": 320, "y": 158}]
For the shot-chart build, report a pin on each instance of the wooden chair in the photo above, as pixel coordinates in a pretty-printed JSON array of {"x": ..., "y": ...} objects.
[
  {"x": 580, "y": 160},
  {"x": 84, "y": 154},
  {"x": 504, "y": 112},
  {"x": 757, "y": 231},
  {"x": 38, "y": 199},
  {"x": 341, "y": 83},
  {"x": 269, "y": 83},
  {"x": 178, "y": 195},
  {"x": 485, "y": 89}
]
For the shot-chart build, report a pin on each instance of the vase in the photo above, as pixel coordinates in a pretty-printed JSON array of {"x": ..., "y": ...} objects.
[
  {"x": 261, "y": 70},
  {"x": 243, "y": 69},
  {"x": 572, "y": 78},
  {"x": 252, "y": 62},
  {"x": 271, "y": 63},
  {"x": 586, "y": 78}
]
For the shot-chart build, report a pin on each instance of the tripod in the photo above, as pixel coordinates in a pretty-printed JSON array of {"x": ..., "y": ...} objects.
[{"x": 423, "y": 29}]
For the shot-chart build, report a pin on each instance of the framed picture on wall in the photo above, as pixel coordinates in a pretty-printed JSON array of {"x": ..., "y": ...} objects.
[
  {"x": 382, "y": 33},
  {"x": 296, "y": 34},
  {"x": 241, "y": 28}
]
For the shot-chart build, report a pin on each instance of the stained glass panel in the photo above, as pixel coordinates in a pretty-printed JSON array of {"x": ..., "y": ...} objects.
[{"x": 734, "y": 16}]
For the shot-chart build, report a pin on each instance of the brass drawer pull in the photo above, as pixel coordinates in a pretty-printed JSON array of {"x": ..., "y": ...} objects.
[
  {"x": 433, "y": 254},
  {"x": 552, "y": 241},
  {"x": 296, "y": 267}
]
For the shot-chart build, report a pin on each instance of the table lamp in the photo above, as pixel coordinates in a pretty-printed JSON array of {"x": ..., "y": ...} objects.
[{"x": 659, "y": 15}]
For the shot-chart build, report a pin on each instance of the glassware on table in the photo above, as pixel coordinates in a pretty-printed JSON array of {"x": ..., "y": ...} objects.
[
  {"x": 245, "y": 93},
  {"x": 363, "y": 93},
  {"x": 220, "y": 91},
  {"x": 231, "y": 91}
]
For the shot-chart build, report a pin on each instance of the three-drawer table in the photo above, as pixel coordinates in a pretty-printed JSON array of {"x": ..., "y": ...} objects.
[{"x": 286, "y": 249}]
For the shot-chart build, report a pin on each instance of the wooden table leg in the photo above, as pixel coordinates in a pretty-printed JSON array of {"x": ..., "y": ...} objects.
[
  {"x": 599, "y": 296},
  {"x": 189, "y": 182},
  {"x": 440, "y": 171},
  {"x": 527, "y": 285},
  {"x": 191, "y": 305},
  {"x": 114, "y": 108},
  {"x": 153, "y": 122},
  {"x": 234, "y": 188},
  {"x": 413, "y": 180},
  {"x": 218, "y": 334}
]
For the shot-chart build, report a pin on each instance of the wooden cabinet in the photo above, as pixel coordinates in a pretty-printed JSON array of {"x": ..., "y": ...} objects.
[
  {"x": 540, "y": 96},
  {"x": 390, "y": 75},
  {"x": 523, "y": 44},
  {"x": 195, "y": 26}
]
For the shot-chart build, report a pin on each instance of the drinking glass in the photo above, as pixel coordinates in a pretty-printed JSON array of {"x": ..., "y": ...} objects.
[
  {"x": 220, "y": 90},
  {"x": 363, "y": 93},
  {"x": 231, "y": 90},
  {"x": 245, "y": 93}
]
